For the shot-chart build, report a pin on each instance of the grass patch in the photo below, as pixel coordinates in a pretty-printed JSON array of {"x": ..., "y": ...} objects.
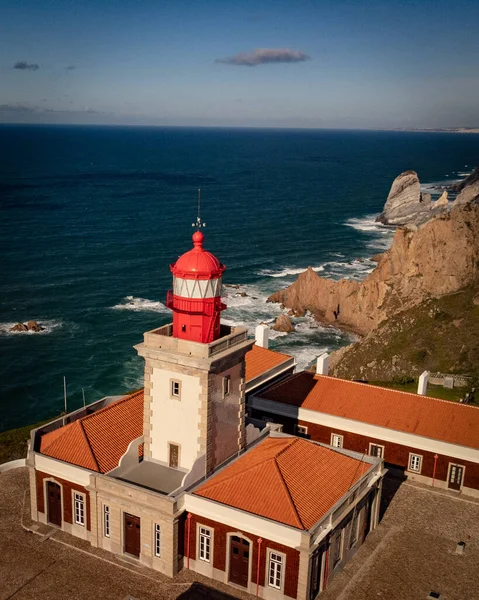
[
  {"x": 433, "y": 391},
  {"x": 13, "y": 443}
]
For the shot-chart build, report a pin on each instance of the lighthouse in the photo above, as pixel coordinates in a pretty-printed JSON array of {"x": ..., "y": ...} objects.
[
  {"x": 196, "y": 296},
  {"x": 194, "y": 399}
]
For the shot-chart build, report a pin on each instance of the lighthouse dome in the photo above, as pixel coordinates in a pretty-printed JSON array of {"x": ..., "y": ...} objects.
[{"x": 197, "y": 263}]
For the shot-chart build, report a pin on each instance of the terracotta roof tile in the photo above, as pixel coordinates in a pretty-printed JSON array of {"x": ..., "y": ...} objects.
[
  {"x": 98, "y": 441},
  {"x": 289, "y": 480},
  {"x": 411, "y": 413},
  {"x": 260, "y": 360}
]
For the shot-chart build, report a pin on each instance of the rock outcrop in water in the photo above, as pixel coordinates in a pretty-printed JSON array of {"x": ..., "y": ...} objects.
[
  {"x": 29, "y": 326},
  {"x": 405, "y": 204},
  {"x": 283, "y": 323},
  {"x": 438, "y": 258}
]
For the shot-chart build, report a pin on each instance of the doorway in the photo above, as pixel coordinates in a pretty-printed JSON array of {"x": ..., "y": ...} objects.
[
  {"x": 239, "y": 561},
  {"x": 54, "y": 508},
  {"x": 455, "y": 477},
  {"x": 132, "y": 535}
]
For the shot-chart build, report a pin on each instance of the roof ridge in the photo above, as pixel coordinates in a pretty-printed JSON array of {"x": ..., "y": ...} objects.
[
  {"x": 260, "y": 462},
  {"x": 113, "y": 404},
  {"x": 65, "y": 428},
  {"x": 285, "y": 485},
  {"x": 82, "y": 429},
  {"x": 370, "y": 385},
  {"x": 293, "y": 441}
]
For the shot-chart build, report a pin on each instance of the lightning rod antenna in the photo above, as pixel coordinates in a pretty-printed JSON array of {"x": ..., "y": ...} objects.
[{"x": 198, "y": 223}]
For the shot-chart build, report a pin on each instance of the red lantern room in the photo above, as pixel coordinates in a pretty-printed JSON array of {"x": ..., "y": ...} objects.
[{"x": 196, "y": 296}]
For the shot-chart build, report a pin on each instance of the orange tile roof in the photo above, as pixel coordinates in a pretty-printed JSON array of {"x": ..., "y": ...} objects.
[
  {"x": 260, "y": 360},
  {"x": 289, "y": 480},
  {"x": 98, "y": 441},
  {"x": 420, "y": 415}
]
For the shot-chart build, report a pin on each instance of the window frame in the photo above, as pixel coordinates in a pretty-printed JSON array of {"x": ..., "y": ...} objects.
[
  {"x": 277, "y": 565},
  {"x": 409, "y": 465},
  {"x": 157, "y": 540},
  {"x": 226, "y": 386},
  {"x": 205, "y": 550},
  {"x": 340, "y": 439},
  {"x": 79, "y": 500},
  {"x": 173, "y": 383},
  {"x": 377, "y": 446},
  {"x": 106, "y": 520},
  {"x": 300, "y": 433}
]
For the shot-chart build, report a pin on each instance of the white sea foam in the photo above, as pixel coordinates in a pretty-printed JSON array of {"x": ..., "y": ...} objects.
[
  {"x": 48, "y": 325},
  {"x": 288, "y": 271},
  {"x": 140, "y": 304}
]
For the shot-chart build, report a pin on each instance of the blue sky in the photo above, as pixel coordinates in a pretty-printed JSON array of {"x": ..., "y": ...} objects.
[{"x": 322, "y": 63}]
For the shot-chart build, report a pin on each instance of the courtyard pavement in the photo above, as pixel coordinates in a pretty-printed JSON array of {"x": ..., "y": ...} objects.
[{"x": 410, "y": 554}]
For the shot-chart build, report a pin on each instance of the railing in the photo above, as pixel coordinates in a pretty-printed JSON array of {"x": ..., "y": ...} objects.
[{"x": 200, "y": 306}]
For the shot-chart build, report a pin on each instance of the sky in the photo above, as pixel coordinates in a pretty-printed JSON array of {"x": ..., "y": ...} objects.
[{"x": 241, "y": 63}]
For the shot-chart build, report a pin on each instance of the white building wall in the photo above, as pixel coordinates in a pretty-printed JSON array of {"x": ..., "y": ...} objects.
[{"x": 175, "y": 420}]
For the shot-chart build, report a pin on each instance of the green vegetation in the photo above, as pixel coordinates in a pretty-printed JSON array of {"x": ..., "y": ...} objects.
[
  {"x": 13, "y": 443},
  {"x": 434, "y": 391},
  {"x": 438, "y": 335}
]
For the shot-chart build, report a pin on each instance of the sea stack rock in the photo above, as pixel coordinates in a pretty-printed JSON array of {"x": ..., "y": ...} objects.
[
  {"x": 405, "y": 203},
  {"x": 283, "y": 323}
]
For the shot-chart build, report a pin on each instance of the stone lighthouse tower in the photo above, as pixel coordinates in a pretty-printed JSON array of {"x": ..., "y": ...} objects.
[{"x": 194, "y": 410}]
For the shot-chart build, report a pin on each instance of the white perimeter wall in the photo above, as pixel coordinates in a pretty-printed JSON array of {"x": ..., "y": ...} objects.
[{"x": 175, "y": 421}]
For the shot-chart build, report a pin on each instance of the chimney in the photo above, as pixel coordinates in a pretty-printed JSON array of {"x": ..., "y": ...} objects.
[
  {"x": 322, "y": 364},
  {"x": 262, "y": 335},
  {"x": 422, "y": 385}
]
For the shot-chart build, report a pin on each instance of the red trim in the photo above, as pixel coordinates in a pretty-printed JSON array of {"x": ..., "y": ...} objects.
[
  {"x": 434, "y": 469},
  {"x": 188, "y": 543},
  {"x": 260, "y": 541}
]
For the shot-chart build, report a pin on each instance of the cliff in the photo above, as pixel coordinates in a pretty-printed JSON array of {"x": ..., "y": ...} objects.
[
  {"x": 438, "y": 335},
  {"x": 430, "y": 261}
]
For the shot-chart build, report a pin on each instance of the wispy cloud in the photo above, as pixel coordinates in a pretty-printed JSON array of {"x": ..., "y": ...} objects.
[
  {"x": 70, "y": 67},
  {"x": 17, "y": 107},
  {"x": 22, "y": 65},
  {"x": 262, "y": 56}
]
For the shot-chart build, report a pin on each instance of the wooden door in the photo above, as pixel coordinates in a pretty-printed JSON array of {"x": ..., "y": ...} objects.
[
  {"x": 54, "y": 493},
  {"x": 132, "y": 535},
  {"x": 239, "y": 560},
  {"x": 174, "y": 456},
  {"x": 455, "y": 477}
]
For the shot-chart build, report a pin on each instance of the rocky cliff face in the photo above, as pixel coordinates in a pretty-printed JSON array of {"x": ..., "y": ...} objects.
[
  {"x": 438, "y": 258},
  {"x": 406, "y": 205}
]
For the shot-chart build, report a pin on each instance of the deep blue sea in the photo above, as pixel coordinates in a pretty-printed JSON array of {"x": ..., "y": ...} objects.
[{"x": 91, "y": 218}]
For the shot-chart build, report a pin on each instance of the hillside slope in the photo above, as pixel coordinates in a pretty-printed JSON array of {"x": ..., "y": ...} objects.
[{"x": 440, "y": 335}]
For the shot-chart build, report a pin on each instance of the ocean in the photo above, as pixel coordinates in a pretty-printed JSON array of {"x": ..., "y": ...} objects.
[{"x": 92, "y": 217}]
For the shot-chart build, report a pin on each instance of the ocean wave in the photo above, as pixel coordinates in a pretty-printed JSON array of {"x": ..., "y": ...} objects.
[
  {"x": 368, "y": 224},
  {"x": 140, "y": 304},
  {"x": 288, "y": 271},
  {"x": 48, "y": 325}
]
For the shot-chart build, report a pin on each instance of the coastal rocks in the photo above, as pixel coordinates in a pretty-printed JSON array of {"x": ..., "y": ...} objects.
[
  {"x": 283, "y": 323},
  {"x": 469, "y": 180},
  {"x": 468, "y": 194},
  {"x": 442, "y": 201},
  {"x": 29, "y": 326},
  {"x": 405, "y": 204},
  {"x": 435, "y": 259}
]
